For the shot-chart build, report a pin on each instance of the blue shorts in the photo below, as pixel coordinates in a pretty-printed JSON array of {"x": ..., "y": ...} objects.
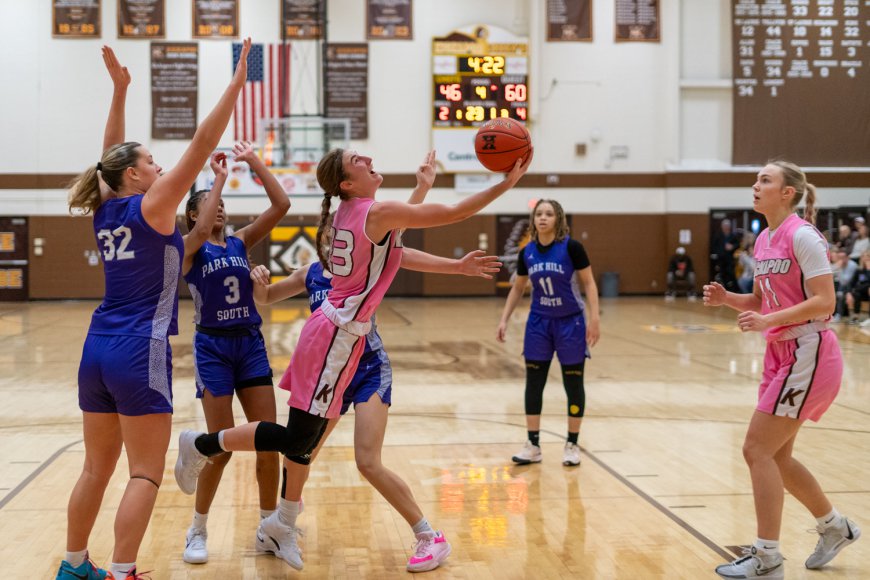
[
  {"x": 373, "y": 375},
  {"x": 130, "y": 375},
  {"x": 223, "y": 364},
  {"x": 565, "y": 336}
]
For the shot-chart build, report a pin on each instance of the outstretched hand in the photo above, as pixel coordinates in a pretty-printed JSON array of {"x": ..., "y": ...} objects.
[
  {"x": 120, "y": 75},
  {"x": 478, "y": 264},
  {"x": 243, "y": 151},
  {"x": 241, "y": 74},
  {"x": 218, "y": 164},
  {"x": 714, "y": 294},
  {"x": 426, "y": 172},
  {"x": 261, "y": 276},
  {"x": 520, "y": 168}
]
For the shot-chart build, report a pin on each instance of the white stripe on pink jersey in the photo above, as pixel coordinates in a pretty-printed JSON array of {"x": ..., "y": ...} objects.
[{"x": 780, "y": 278}]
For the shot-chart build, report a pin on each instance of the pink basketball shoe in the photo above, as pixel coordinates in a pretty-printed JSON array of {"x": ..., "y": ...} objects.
[{"x": 429, "y": 552}]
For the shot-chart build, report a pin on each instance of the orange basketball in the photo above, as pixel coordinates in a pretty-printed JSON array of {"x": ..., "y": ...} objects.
[{"x": 500, "y": 142}]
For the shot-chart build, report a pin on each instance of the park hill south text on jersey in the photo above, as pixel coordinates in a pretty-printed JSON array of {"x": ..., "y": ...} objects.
[
  {"x": 219, "y": 264},
  {"x": 548, "y": 267}
]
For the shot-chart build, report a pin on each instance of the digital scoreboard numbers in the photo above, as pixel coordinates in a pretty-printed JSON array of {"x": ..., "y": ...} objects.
[
  {"x": 479, "y": 73},
  {"x": 801, "y": 77}
]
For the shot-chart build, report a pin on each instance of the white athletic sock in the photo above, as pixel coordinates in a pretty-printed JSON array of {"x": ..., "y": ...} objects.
[
  {"x": 120, "y": 571},
  {"x": 221, "y": 440},
  {"x": 767, "y": 546},
  {"x": 832, "y": 519},
  {"x": 76, "y": 559},
  {"x": 288, "y": 511},
  {"x": 266, "y": 513},
  {"x": 423, "y": 527},
  {"x": 199, "y": 520}
]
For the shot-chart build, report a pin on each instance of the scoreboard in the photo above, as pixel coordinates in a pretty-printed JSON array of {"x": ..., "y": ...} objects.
[{"x": 479, "y": 73}]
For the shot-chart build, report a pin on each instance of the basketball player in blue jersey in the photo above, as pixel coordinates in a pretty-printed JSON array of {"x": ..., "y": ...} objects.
[
  {"x": 228, "y": 349},
  {"x": 370, "y": 391},
  {"x": 558, "y": 322},
  {"x": 125, "y": 376}
]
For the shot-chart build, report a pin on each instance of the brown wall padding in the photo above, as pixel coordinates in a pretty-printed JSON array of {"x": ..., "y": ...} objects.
[{"x": 635, "y": 246}]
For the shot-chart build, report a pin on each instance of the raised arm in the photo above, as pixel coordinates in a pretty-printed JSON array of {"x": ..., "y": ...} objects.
[
  {"x": 266, "y": 293},
  {"x": 162, "y": 199},
  {"x": 114, "y": 133},
  {"x": 475, "y": 263},
  {"x": 208, "y": 211},
  {"x": 390, "y": 215},
  {"x": 254, "y": 233},
  {"x": 593, "y": 316},
  {"x": 513, "y": 298},
  {"x": 425, "y": 179}
]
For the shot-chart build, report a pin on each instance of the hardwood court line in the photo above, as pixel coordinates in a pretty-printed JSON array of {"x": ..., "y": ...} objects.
[
  {"x": 640, "y": 493},
  {"x": 20, "y": 487},
  {"x": 660, "y": 507}
]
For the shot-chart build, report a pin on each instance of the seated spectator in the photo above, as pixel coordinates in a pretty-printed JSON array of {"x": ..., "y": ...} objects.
[
  {"x": 681, "y": 272},
  {"x": 862, "y": 242},
  {"x": 845, "y": 239},
  {"x": 860, "y": 287},
  {"x": 844, "y": 271}
]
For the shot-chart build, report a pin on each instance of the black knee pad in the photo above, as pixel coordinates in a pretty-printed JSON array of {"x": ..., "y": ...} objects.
[
  {"x": 296, "y": 441},
  {"x": 572, "y": 378},
  {"x": 536, "y": 380}
]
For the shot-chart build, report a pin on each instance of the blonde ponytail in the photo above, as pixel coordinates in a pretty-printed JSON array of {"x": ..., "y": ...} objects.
[{"x": 84, "y": 191}]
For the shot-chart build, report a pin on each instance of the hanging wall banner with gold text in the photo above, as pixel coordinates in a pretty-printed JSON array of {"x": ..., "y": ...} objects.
[
  {"x": 389, "y": 20},
  {"x": 801, "y": 82},
  {"x": 215, "y": 18},
  {"x": 637, "y": 20},
  {"x": 174, "y": 84},
  {"x": 347, "y": 84},
  {"x": 141, "y": 18},
  {"x": 75, "y": 19},
  {"x": 301, "y": 19},
  {"x": 569, "y": 20}
]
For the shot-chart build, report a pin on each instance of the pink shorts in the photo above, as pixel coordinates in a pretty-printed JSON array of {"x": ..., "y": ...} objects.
[
  {"x": 801, "y": 376},
  {"x": 322, "y": 366}
]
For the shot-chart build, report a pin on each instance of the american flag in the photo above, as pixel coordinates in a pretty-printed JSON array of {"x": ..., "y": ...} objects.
[{"x": 267, "y": 92}]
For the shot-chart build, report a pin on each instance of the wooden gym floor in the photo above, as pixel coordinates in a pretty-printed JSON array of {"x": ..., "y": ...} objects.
[{"x": 663, "y": 491}]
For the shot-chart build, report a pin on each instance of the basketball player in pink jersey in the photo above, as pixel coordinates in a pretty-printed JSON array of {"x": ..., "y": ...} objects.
[
  {"x": 365, "y": 254},
  {"x": 791, "y": 305}
]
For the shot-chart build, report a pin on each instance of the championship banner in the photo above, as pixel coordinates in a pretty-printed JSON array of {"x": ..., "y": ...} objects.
[
  {"x": 389, "y": 20},
  {"x": 347, "y": 84},
  {"x": 141, "y": 18},
  {"x": 569, "y": 20},
  {"x": 215, "y": 18},
  {"x": 637, "y": 20},
  {"x": 302, "y": 19},
  {"x": 174, "y": 85},
  {"x": 76, "y": 19}
]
